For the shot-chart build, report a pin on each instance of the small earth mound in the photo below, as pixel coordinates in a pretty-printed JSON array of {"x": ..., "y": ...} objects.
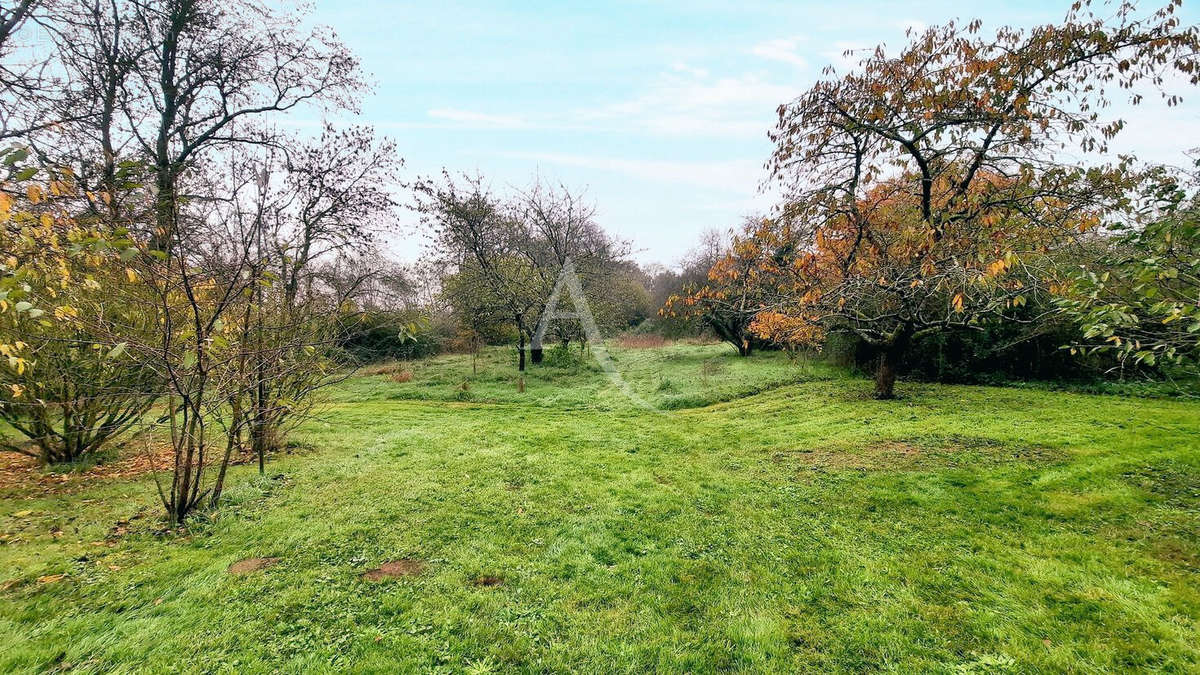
[
  {"x": 394, "y": 569},
  {"x": 487, "y": 582},
  {"x": 251, "y": 565}
]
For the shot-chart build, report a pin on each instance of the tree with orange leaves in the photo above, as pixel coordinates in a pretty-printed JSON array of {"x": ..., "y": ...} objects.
[
  {"x": 736, "y": 289},
  {"x": 923, "y": 191}
]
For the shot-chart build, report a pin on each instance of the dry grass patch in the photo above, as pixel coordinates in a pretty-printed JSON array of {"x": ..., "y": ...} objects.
[{"x": 21, "y": 473}]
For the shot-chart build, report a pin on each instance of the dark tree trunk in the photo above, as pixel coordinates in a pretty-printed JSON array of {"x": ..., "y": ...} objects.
[
  {"x": 885, "y": 375},
  {"x": 890, "y": 358},
  {"x": 521, "y": 354},
  {"x": 732, "y": 334}
]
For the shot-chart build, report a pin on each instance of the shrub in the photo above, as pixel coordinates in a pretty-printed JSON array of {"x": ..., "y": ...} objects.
[
  {"x": 995, "y": 352},
  {"x": 563, "y": 356},
  {"x": 379, "y": 336}
]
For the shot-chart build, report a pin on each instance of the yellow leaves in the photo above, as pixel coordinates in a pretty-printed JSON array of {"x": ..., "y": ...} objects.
[
  {"x": 1090, "y": 222},
  {"x": 131, "y": 275},
  {"x": 5, "y": 207},
  {"x": 60, "y": 188},
  {"x": 997, "y": 268},
  {"x": 11, "y": 350},
  {"x": 17, "y": 390},
  {"x": 957, "y": 301},
  {"x": 18, "y": 364},
  {"x": 35, "y": 193}
]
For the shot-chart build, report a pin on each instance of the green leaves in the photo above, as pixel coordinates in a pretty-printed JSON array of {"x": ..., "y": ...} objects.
[{"x": 15, "y": 156}]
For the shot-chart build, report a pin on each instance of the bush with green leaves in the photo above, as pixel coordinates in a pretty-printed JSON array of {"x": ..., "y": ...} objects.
[
  {"x": 1140, "y": 302},
  {"x": 64, "y": 390}
]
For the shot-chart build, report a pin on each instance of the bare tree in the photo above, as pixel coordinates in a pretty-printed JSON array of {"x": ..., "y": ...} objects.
[
  {"x": 560, "y": 225},
  {"x": 331, "y": 196},
  {"x": 480, "y": 242},
  {"x": 207, "y": 73}
]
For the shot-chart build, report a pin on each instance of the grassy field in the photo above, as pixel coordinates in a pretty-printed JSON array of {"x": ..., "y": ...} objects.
[{"x": 769, "y": 517}]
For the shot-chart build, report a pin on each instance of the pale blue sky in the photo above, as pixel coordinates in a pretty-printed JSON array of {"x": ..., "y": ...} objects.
[{"x": 660, "y": 110}]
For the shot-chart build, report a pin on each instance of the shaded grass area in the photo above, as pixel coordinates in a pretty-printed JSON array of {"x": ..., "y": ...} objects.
[{"x": 804, "y": 527}]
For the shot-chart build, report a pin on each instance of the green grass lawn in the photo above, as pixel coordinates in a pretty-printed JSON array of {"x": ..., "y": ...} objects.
[{"x": 771, "y": 518}]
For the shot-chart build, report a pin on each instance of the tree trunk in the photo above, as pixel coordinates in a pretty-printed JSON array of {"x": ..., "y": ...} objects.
[
  {"x": 890, "y": 358},
  {"x": 521, "y": 354},
  {"x": 885, "y": 375}
]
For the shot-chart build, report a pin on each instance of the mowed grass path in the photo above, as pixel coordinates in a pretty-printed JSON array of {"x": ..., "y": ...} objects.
[{"x": 801, "y": 527}]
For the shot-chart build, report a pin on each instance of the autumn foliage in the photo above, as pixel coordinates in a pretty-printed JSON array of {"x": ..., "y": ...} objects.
[{"x": 924, "y": 191}]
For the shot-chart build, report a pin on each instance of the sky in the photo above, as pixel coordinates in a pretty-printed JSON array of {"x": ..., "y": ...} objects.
[{"x": 658, "y": 111}]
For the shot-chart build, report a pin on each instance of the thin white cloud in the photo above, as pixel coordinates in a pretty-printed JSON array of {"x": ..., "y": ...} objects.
[
  {"x": 699, "y": 105},
  {"x": 477, "y": 119},
  {"x": 681, "y": 67},
  {"x": 735, "y": 176},
  {"x": 780, "y": 49}
]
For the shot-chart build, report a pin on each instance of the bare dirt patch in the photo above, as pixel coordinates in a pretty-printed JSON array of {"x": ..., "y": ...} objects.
[
  {"x": 487, "y": 582},
  {"x": 251, "y": 565},
  {"x": 395, "y": 569}
]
